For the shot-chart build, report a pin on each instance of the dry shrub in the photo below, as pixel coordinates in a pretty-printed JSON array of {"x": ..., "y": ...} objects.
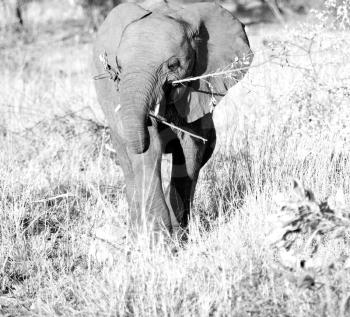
[
  {"x": 311, "y": 238},
  {"x": 336, "y": 14}
]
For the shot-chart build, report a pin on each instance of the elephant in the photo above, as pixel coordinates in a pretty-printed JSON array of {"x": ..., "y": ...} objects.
[{"x": 140, "y": 56}]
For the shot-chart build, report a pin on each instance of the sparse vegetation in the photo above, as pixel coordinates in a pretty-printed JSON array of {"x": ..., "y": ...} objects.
[{"x": 288, "y": 119}]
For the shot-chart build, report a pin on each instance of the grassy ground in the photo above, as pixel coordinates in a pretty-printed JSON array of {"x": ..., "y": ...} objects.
[{"x": 289, "y": 118}]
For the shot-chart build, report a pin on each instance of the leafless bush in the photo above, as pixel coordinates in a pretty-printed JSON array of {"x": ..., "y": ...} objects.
[
  {"x": 336, "y": 13},
  {"x": 307, "y": 233}
]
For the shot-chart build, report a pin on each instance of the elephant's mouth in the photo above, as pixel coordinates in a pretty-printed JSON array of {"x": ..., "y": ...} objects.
[
  {"x": 175, "y": 92},
  {"x": 164, "y": 107}
]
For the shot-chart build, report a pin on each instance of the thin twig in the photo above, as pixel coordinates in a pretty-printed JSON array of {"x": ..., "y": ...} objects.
[
  {"x": 222, "y": 73},
  {"x": 162, "y": 120}
]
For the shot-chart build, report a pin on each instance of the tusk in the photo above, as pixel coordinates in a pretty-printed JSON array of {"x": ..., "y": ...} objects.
[
  {"x": 110, "y": 149},
  {"x": 156, "y": 109},
  {"x": 117, "y": 108}
]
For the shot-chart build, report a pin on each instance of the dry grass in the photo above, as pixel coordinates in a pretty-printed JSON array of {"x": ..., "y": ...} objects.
[{"x": 58, "y": 185}]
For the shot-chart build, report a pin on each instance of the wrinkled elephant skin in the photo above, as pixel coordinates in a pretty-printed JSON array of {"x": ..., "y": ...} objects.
[{"x": 147, "y": 49}]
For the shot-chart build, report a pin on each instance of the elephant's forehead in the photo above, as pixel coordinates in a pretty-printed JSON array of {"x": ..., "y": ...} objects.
[{"x": 155, "y": 29}]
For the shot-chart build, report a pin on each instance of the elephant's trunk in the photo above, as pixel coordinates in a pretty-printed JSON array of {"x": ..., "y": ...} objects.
[{"x": 136, "y": 98}]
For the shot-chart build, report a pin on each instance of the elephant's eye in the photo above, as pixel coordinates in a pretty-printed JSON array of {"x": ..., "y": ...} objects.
[{"x": 173, "y": 64}]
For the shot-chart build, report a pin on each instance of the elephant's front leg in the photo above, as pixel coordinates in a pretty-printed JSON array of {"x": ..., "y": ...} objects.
[
  {"x": 149, "y": 208},
  {"x": 187, "y": 159},
  {"x": 189, "y": 156},
  {"x": 180, "y": 194}
]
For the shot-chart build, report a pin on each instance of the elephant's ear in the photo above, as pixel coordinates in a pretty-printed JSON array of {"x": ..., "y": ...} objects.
[
  {"x": 220, "y": 43},
  {"x": 111, "y": 30}
]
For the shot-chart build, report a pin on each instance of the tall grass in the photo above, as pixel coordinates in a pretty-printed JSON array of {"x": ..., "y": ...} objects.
[{"x": 58, "y": 185}]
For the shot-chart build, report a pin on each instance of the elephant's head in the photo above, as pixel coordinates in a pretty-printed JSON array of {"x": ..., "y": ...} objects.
[{"x": 154, "y": 48}]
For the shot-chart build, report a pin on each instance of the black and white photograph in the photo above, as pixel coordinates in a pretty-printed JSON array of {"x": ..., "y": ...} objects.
[{"x": 175, "y": 158}]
